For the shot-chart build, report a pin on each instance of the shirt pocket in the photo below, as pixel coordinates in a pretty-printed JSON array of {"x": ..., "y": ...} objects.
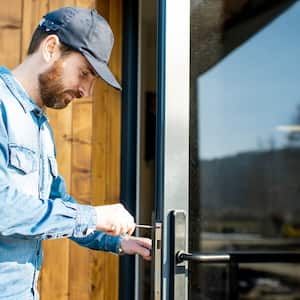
[{"x": 22, "y": 159}]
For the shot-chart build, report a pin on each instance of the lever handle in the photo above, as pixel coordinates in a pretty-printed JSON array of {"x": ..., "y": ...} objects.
[
  {"x": 202, "y": 258},
  {"x": 240, "y": 257}
]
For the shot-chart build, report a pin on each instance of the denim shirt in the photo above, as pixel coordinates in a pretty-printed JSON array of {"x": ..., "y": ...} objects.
[{"x": 34, "y": 204}]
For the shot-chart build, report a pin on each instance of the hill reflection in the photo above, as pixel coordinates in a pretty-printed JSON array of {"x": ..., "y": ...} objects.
[{"x": 253, "y": 192}]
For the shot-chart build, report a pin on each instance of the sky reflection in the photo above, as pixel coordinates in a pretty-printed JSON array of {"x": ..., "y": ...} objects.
[{"x": 255, "y": 89}]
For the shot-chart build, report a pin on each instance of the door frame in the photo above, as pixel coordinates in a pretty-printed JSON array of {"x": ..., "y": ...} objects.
[
  {"x": 129, "y": 135},
  {"x": 172, "y": 128}
]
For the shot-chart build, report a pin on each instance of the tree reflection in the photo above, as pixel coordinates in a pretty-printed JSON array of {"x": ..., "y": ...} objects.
[{"x": 293, "y": 137}]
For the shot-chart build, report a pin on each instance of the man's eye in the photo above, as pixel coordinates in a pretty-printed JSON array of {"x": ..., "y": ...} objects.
[{"x": 84, "y": 73}]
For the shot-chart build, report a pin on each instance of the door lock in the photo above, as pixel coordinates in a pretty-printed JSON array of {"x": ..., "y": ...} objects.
[{"x": 156, "y": 260}]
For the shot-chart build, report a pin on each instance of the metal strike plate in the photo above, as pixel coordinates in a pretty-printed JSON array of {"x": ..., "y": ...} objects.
[
  {"x": 178, "y": 242},
  {"x": 156, "y": 260}
]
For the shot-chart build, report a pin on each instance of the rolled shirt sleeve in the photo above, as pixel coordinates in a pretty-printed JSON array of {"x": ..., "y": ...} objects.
[
  {"x": 96, "y": 240},
  {"x": 100, "y": 241},
  {"x": 42, "y": 219}
]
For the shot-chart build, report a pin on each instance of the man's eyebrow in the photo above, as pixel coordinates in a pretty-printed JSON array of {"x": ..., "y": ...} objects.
[{"x": 92, "y": 71}]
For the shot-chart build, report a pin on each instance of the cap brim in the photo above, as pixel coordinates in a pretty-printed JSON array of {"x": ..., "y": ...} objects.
[{"x": 103, "y": 71}]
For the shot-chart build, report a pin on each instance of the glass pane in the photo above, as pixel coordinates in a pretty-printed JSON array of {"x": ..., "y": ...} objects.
[
  {"x": 245, "y": 139},
  {"x": 272, "y": 282}
]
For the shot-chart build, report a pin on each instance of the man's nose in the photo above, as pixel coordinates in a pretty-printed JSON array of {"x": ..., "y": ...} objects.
[
  {"x": 86, "y": 90},
  {"x": 83, "y": 92}
]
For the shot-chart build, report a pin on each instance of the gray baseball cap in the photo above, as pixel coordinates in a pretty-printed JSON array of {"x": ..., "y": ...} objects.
[{"x": 85, "y": 31}]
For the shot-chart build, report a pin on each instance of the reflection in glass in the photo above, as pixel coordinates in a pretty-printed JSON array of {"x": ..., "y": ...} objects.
[{"x": 245, "y": 139}]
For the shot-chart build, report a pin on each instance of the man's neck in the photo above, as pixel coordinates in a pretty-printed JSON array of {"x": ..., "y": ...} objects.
[{"x": 27, "y": 76}]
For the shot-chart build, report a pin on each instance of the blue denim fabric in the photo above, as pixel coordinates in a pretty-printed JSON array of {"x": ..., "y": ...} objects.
[{"x": 34, "y": 204}]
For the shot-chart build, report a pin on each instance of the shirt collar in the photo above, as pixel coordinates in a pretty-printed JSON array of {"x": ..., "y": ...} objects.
[{"x": 19, "y": 92}]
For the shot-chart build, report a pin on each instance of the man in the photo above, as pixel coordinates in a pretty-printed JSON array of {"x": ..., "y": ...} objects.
[{"x": 69, "y": 50}]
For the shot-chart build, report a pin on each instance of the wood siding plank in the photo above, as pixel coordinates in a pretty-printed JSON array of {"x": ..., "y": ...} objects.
[
  {"x": 55, "y": 273},
  {"x": 55, "y": 4},
  {"x": 33, "y": 11},
  {"x": 114, "y": 142},
  {"x": 86, "y": 3},
  {"x": 79, "y": 269},
  {"x": 80, "y": 258},
  {"x": 10, "y": 33},
  {"x": 99, "y": 184},
  {"x": 106, "y": 153}
]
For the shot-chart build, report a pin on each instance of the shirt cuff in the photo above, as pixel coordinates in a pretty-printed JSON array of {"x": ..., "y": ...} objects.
[
  {"x": 118, "y": 250},
  {"x": 86, "y": 221}
]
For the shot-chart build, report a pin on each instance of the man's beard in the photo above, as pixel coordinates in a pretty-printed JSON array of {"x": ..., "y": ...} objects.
[{"x": 52, "y": 91}]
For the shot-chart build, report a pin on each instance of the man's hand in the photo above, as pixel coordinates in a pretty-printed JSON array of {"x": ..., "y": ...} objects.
[
  {"x": 137, "y": 245},
  {"x": 114, "y": 219}
]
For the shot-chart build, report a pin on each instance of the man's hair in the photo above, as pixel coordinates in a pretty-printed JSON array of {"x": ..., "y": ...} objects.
[{"x": 38, "y": 36}]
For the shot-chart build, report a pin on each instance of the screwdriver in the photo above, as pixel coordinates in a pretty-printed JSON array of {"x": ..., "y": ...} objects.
[{"x": 143, "y": 226}]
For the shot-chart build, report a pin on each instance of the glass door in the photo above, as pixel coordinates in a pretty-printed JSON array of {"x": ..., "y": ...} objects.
[
  {"x": 227, "y": 151},
  {"x": 244, "y": 149}
]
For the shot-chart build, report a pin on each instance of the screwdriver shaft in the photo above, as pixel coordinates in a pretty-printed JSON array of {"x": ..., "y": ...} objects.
[{"x": 143, "y": 226}]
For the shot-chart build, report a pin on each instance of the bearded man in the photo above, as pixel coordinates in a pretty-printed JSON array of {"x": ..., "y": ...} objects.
[{"x": 68, "y": 52}]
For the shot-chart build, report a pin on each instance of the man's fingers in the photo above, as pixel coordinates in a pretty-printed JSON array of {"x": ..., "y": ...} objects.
[
  {"x": 113, "y": 229},
  {"x": 146, "y": 243},
  {"x": 148, "y": 258},
  {"x": 131, "y": 229},
  {"x": 114, "y": 219},
  {"x": 131, "y": 225},
  {"x": 144, "y": 247},
  {"x": 146, "y": 253}
]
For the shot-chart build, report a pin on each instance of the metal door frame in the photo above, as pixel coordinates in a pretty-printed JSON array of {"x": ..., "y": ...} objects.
[
  {"x": 129, "y": 136},
  {"x": 172, "y": 147}
]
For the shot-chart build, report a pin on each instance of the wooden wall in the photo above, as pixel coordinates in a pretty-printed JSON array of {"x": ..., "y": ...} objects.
[{"x": 87, "y": 135}]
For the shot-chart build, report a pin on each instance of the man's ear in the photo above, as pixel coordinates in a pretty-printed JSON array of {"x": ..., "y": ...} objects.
[{"x": 50, "y": 48}]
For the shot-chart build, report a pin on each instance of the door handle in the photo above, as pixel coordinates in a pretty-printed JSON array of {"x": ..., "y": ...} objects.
[
  {"x": 240, "y": 257},
  {"x": 202, "y": 258}
]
